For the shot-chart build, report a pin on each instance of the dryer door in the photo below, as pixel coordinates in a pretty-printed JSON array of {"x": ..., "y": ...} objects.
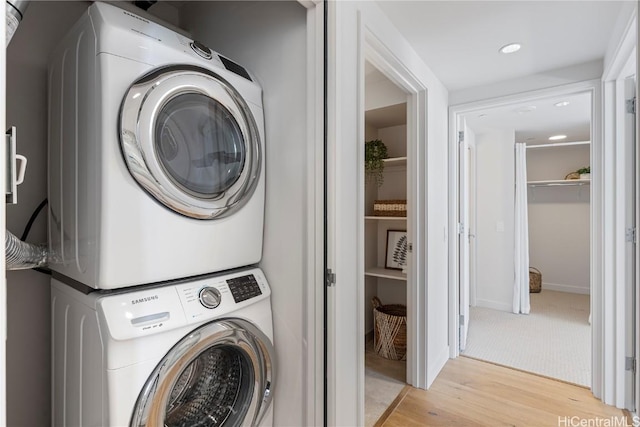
[
  {"x": 191, "y": 141},
  {"x": 219, "y": 375}
]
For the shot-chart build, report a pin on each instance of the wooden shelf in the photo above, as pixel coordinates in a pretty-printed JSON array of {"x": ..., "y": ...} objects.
[
  {"x": 386, "y": 218},
  {"x": 385, "y": 273},
  {"x": 559, "y": 183}
]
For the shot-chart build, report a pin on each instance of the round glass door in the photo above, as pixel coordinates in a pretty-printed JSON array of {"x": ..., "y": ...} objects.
[
  {"x": 191, "y": 141},
  {"x": 219, "y": 375}
]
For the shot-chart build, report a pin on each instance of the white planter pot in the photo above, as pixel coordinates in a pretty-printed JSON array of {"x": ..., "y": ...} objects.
[{"x": 585, "y": 176}]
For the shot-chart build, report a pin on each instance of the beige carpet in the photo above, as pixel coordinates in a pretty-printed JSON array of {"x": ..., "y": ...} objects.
[
  {"x": 553, "y": 340},
  {"x": 384, "y": 380}
]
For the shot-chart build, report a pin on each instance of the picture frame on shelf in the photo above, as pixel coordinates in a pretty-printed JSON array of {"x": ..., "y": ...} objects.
[{"x": 396, "y": 254}]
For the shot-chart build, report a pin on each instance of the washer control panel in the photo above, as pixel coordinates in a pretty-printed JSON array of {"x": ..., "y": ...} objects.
[
  {"x": 244, "y": 287},
  {"x": 221, "y": 295},
  {"x": 157, "y": 309}
]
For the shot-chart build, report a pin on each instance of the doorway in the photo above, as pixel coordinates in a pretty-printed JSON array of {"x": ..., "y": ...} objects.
[
  {"x": 495, "y": 126},
  {"x": 386, "y": 275},
  {"x": 554, "y": 339}
]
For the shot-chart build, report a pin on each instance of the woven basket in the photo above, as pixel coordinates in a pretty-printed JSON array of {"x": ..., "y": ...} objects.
[
  {"x": 535, "y": 280},
  {"x": 390, "y": 208},
  {"x": 390, "y": 330},
  {"x": 572, "y": 175}
]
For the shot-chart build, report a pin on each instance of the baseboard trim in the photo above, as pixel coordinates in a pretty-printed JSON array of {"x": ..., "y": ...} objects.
[
  {"x": 495, "y": 305},
  {"x": 565, "y": 288}
]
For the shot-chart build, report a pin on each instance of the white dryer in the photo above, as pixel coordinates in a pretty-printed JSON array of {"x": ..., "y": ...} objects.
[
  {"x": 197, "y": 353},
  {"x": 156, "y": 155}
]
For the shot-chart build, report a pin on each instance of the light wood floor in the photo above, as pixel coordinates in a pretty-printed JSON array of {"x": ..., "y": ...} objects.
[{"x": 470, "y": 392}]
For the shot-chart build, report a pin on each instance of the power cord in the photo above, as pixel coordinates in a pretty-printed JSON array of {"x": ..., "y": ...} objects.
[{"x": 27, "y": 229}]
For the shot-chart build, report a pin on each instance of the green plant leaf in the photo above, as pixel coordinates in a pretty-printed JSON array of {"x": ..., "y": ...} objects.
[{"x": 374, "y": 153}]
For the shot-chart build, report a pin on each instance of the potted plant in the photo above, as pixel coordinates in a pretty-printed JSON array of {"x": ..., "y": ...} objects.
[
  {"x": 374, "y": 153},
  {"x": 585, "y": 173}
]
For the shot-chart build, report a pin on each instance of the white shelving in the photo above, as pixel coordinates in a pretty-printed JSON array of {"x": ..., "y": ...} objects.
[
  {"x": 395, "y": 161},
  {"x": 385, "y": 218},
  {"x": 385, "y": 273}
]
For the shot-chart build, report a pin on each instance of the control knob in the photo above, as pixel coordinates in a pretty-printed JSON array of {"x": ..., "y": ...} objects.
[
  {"x": 201, "y": 50},
  {"x": 210, "y": 297}
]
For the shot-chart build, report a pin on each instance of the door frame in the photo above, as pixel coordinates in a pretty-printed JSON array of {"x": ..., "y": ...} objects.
[
  {"x": 616, "y": 345},
  {"x": 593, "y": 87},
  {"x": 614, "y": 389},
  {"x": 345, "y": 204},
  {"x": 382, "y": 58}
]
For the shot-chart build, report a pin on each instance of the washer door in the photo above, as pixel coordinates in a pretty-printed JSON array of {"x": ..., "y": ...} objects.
[
  {"x": 219, "y": 375},
  {"x": 191, "y": 141}
]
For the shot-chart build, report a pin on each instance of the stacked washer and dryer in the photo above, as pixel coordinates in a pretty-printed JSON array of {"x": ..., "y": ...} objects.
[{"x": 156, "y": 195}]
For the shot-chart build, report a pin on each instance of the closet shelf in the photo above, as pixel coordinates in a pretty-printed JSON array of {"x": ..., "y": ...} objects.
[
  {"x": 559, "y": 183},
  {"x": 386, "y": 218},
  {"x": 395, "y": 161},
  {"x": 385, "y": 273}
]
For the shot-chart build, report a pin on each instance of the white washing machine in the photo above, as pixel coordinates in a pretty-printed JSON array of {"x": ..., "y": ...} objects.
[
  {"x": 156, "y": 155},
  {"x": 197, "y": 353}
]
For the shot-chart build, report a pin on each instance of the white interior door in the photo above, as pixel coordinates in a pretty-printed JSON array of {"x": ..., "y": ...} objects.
[
  {"x": 3, "y": 279},
  {"x": 463, "y": 230},
  {"x": 631, "y": 230}
]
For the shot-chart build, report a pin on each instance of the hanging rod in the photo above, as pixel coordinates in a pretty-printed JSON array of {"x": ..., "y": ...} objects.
[
  {"x": 563, "y": 183},
  {"x": 559, "y": 144}
]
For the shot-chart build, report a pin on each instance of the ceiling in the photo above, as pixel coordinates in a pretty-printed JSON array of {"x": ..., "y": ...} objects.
[
  {"x": 460, "y": 42},
  {"x": 535, "y": 122}
]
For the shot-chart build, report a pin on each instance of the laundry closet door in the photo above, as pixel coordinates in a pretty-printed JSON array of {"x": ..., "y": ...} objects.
[{"x": 3, "y": 277}]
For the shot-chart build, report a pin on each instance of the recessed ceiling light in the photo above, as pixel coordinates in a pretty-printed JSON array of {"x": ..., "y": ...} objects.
[
  {"x": 562, "y": 103},
  {"x": 557, "y": 137},
  {"x": 510, "y": 48}
]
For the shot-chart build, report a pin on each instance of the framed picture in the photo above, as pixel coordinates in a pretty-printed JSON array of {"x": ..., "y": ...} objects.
[{"x": 397, "y": 249}]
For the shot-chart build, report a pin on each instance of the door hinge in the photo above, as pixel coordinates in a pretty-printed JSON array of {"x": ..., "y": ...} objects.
[
  {"x": 460, "y": 228},
  {"x": 330, "y": 277},
  {"x": 631, "y": 105},
  {"x": 630, "y": 235},
  {"x": 461, "y": 319},
  {"x": 410, "y": 247},
  {"x": 630, "y": 364},
  {"x": 460, "y": 136}
]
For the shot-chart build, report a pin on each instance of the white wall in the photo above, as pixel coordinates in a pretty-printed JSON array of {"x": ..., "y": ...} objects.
[
  {"x": 269, "y": 38},
  {"x": 558, "y": 77},
  {"x": 28, "y": 294},
  {"x": 495, "y": 219},
  {"x": 559, "y": 220},
  {"x": 382, "y": 94}
]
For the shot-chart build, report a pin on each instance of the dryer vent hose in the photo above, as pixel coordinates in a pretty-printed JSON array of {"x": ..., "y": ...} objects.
[{"x": 22, "y": 255}]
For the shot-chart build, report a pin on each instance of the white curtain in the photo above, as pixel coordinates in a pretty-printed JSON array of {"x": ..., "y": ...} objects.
[{"x": 521, "y": 284}]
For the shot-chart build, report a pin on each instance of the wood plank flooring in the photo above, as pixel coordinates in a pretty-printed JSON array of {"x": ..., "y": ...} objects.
[{"x": 471, "y": 392}]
